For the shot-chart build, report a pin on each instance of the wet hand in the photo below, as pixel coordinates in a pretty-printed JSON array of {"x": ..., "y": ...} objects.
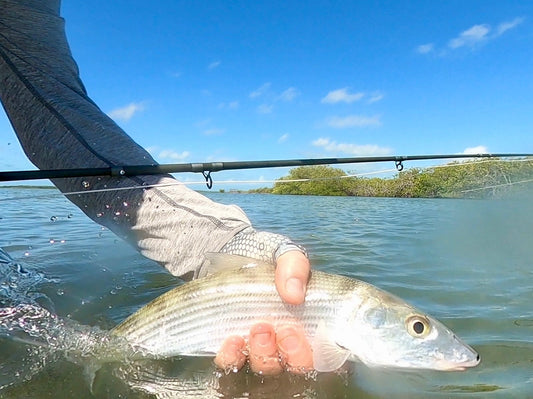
[
  {"x": 269, "y": 351},
  {"x": 292, "y": 274}
]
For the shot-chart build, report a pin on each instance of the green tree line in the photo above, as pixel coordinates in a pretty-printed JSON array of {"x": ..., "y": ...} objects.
[{"x": 474, "y": 179}]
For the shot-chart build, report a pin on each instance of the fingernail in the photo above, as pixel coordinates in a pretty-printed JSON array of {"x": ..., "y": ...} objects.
[
  {"x": 289, "y": 341},
  {"x": 262, "y": 338},
  {"x": 295, "y": 286}
]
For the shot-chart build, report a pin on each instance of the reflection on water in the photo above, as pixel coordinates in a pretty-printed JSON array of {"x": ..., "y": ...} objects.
[{"x": 468, "y": 263}]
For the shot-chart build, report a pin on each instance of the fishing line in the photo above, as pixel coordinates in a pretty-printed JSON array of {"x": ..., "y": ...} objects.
[
  {"x": 478, "y": 161},
  {"x": 497, "y": 186},
  {"x": 207, "y": 168},
  {"x": 180, "y": 183},
  {"x": 470, "y": 161}
]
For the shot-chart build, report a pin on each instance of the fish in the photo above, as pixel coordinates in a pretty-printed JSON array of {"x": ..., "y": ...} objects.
[{"x": 345, "y": 319}]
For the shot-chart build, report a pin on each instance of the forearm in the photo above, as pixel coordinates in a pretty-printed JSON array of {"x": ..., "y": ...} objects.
[{"x": 59, "y": 126}]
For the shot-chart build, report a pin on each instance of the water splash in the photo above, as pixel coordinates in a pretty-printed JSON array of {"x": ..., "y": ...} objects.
[
  {"x": 36, "y": 336},
  {"x": 36, "y": 326},
  {"x": 19, "y": 284},
  {"x": 43, "y": 338}
]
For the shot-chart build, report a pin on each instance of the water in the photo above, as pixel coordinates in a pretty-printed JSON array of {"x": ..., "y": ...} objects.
[{"x": 466, "y": 262}]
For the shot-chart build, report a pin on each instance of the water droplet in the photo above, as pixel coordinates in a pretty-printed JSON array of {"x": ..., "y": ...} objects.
[
  {"x": 52, "y": 241},
  {"x": 60, "y": 292},
  {"x": 53, "y": 218},
  {"x": 26, "y": 253},
  {"x": 70, "y": 215},
  {"x": 85, "y": 184},
  {"x": 99, "y": 214},
  {"x": 125, "y": 203},
  {"x": 62, "y": 241},
  {"x": 107, "y": 206},
  {"x": 117, "y": 213},
  {"x": 309, "y": 374}
]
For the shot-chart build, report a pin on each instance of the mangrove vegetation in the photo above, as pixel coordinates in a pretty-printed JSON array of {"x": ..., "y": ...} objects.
[{"x": 472, "y": 179}]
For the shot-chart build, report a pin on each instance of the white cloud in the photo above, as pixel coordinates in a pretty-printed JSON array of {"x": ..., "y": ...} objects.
[
  {"x": 213, "y": 65},
  {"x": 260, "y": 90},
  {"x": 350, "y": 149},
  {"x": 375, "y": 97},
  {"x": 341, "y": 95},
  {"x": 425, "y": 48},
  {"x": 339, "y": 122},
  {"x": 505, "y": 26},
  {"x": 265, "y": 108},
  {"x": 480, "y": 149},
  {"x": 283, "y": 138},
  {"x": 290, "y": 94},
  {"x": 470, "y": 37},
  {"x": 173, "y": 155},
  {"x": 127, "y": 112},
  {"x": 168, "y": 154}
]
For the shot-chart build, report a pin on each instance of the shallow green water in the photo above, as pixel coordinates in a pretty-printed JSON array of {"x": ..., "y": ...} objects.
[{"x": 468, "y": 263}]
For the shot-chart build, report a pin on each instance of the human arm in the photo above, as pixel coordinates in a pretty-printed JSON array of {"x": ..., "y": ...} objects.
[{"x": 59, "y": 126}]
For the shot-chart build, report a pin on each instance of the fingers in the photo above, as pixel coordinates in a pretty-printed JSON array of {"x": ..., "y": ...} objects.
[
  {"x": 270, "y": 352},
  {"x": 295, "y": 349},
  {"x": 232, "y": 354},
  {"x": 292, "y": 274},
  {"x": 264, "y": 357}
]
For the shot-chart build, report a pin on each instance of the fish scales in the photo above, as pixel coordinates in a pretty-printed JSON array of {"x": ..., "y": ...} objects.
[
  {"x": 343, "y": 318},
  {"x": 199, "y": 315}
]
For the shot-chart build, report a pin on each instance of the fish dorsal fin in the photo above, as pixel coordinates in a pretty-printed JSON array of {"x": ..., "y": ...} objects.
[
  {"x": 327, "y": 354},
  {"x": 218, "y": 262}
]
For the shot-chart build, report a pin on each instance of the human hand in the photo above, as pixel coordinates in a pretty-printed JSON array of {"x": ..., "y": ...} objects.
[{"x": 272, "y": 351}]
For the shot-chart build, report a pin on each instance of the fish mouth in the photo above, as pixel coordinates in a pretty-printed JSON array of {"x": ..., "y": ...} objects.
[{"x": 459, "y": 366}]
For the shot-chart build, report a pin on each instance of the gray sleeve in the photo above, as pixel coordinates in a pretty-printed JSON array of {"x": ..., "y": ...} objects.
[{"x": 59, "y": 126}]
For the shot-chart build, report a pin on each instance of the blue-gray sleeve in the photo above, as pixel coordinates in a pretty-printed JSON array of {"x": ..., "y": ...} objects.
[{"x": 59, "y": 126}]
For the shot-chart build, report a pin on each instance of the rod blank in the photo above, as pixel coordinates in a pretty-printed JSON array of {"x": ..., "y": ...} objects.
[{"x": 135, "y": 170}]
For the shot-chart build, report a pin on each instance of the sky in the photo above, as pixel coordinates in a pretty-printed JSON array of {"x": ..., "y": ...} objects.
[{"x": 205, "y": 81}]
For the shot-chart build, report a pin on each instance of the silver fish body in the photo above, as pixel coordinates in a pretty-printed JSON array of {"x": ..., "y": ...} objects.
[{"x": 344, "y": 318}]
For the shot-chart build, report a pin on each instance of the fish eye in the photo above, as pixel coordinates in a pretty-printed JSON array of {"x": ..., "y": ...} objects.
[{"x": 418, "y": 326}]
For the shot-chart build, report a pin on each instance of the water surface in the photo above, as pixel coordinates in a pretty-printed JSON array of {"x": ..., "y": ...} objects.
[{"x": 466, "y": 262}]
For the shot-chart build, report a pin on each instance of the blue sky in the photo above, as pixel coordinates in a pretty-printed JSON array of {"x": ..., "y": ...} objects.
[{"x": 202, "y": 81}]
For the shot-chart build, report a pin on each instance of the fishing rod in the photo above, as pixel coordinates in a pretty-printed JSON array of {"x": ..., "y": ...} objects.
[{"x": 207, "y": 168}]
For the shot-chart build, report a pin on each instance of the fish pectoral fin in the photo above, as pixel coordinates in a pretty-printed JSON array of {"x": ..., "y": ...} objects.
[
  {"x": 327, "y": 354},
  {"x": 220, "y": 261}
]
